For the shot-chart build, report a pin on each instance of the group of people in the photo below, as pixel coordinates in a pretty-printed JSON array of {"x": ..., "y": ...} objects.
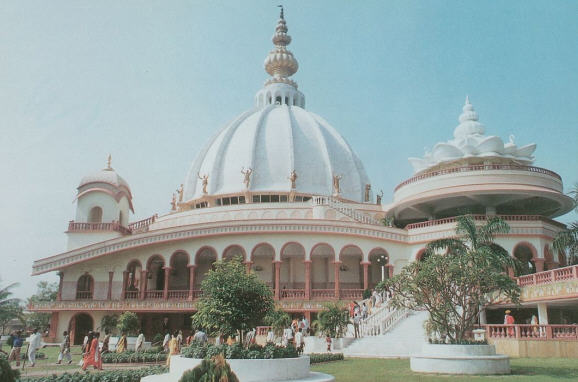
[
  {"x": 35, "y": 343},
  {"x": 292, "y": 335},
  {"x": 358, "y": 313}
]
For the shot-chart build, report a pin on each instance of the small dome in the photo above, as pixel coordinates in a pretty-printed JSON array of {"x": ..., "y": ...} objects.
[{"x": 107, "y": 175}]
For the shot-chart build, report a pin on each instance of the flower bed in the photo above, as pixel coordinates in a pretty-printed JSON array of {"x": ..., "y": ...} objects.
[
  {"x": 325, "y": 357},
  {"x": 134, "y": 357},
  {"x": 236, "y": 351},
  {"x": 104, "y": 376}
]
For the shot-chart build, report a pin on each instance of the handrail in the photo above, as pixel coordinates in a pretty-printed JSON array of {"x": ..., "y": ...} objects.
[
  {"x": 142, "y": 225},
  {"x": 343, "y": 208},
  {"x": 113, "y": 226},
  {"x": 453, "y": 219},
  {"x": 480, "y": 167},
  {"x": 532, "y": 332},
  {"x": 546, "y": 277}
]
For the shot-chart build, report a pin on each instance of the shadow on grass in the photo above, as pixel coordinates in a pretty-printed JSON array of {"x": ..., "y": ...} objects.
[{"x": 550, "y": 372}]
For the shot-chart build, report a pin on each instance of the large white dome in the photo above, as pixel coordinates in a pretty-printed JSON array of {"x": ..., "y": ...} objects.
[{"x": 273, "y": 140}]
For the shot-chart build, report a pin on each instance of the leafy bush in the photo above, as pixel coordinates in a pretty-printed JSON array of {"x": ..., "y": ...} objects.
[
  {"x": 366, "y": 294},
  {"x": 134, "y": 357},
  {"x": 325, "y": 357},
  {"x": 279, "y": 320},
  {"x": 128, "y": 323},
  {"x": 456, "y": 342},
  {"x": 215, "y": 369},
  {"x": 236, "y": 351},
  {"x": 158, "y": 339},
  {"x": 105, "y": 376},
  {"x": 333, "y": 320},
  {"x": 6, "y": 372}
]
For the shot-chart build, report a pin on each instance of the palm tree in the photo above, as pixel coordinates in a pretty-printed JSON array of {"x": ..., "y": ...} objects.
[
  {"x": 5, "y": 299},
  {"x": 567, "y": 241}
]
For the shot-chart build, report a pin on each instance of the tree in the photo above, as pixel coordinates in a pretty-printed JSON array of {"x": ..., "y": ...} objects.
[
  {"x": 9, "y": 306},
  {"x": 458, "y": 276},
  {"x": 278, "y": 320},
  {"x": 333, "y": 320},
  {"x": 109, "y": 322},
  {"x": 567, "y": 241},
  {"x": 214, "y": 369},
  {"x": 128, "y": 323},
  {"x": 233, "y": 300},
  {"x": 45, "y": 292}
]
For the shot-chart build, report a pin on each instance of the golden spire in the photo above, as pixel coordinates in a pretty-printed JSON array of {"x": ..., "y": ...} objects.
[
  {"x": 108, "y": 162},
  {"x": 280, "y": 63}
]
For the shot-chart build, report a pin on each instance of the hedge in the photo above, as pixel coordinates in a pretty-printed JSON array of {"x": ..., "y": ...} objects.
[
  {"x": 132, "y": 357},
  {"x": 325, "y": 357},
  {"x": 103, "y": 376},
  {"x": 237, "y": 351}
]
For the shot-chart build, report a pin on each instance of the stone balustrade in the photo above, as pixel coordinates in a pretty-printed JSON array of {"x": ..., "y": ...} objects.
[
  {"x": 546, "y": 277},
  {"x": 91, "y": 227},
  {"x": 532, "y": 332}
]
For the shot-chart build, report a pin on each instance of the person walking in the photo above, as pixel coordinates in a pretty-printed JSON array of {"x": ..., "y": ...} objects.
[
  {"x": 201, "y": 337},
  {"x": 92, "y": 356},
  {"x": 65, "y": 349},
  {"x": 299, "y": 343},
  {"x": 105, "y": 343},
  {"x": 173, "y": 348},
  {"x": 364, "y": 311},
  {"x": 121, "y": 344},
  {"x": 356, "y": 322},
  {"x": 16, "y": 348},
  {"x": 139, "y": 345},
  {"x": 166, "y": 341},
  {"x": 270, "y": 336},
  {"x": 35, "y": 344},
  {"x": 328, "y": 342}
]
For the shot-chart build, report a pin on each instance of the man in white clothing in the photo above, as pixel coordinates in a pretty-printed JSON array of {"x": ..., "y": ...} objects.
[
  {"x": 35, "y": 344},
  {"x": 139, "y": 346},
  {"x": 299, "y": 341}
]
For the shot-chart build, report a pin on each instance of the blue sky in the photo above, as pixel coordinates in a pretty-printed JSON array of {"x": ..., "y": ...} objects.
[{"x": 151, "y": 81}]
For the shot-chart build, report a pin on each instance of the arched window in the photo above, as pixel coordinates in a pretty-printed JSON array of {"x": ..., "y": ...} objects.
[
  {"x": 95, "y": 215},
  {"x": 278, "y": 100},
  {"x": 525, "y": 254},
  {"x": 84, "y": 287}
]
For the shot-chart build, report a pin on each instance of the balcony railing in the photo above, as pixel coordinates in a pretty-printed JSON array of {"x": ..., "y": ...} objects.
[
  {"x": 83, "y": 295},
  {"x": 546, "y": 277},
  {"x": 532, "y": 332},
  {"x": 517, "y": 218},
  {"x": 154, "y": 294},
  {"x": 89, "y": 227},
  {"x": 353, "y": 294},
  {"x": 142, "y": 225},
  {"x": 131, "y": 295},
  {"x": 480, "y": 167},
  {"x": 197, "y": 293},
  {"x": 178, "y": 294},
  {"x": 293, "y": 294},
  {"x": 322, "y": 293}
]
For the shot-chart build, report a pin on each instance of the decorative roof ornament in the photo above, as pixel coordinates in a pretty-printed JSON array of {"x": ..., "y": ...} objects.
[
  {"x": 108, "y": 162},
  {"x": 472, "y": 146},
  {"x": 280, "y": 63}
]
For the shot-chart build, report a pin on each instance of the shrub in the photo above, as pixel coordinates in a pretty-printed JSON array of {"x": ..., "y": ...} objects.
[
  {"x": 333, "y": 320},
  {"x": 325, "y": 357},
  {"x": 158, "y": 339},
  {"x": 366, "y": 294},
  {"x": 236, "y": 351},
  {"x": 215, "y": 369},
  {"x": 132, "y": 357},
  {"x": 133, "y": 375},
  {"x": 128, "y": 323},
  {"x": 6, "y": 372}
]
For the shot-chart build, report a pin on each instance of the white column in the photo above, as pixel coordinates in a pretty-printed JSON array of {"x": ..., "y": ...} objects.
[
  {"x": 542, "y": 313},
  {"x": 483, "y": 320}
]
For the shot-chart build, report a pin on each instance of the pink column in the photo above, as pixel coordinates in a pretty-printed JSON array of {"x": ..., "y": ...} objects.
[
  {"x": 336, "y": 264},
  {"x": 109, "y": 292},
  {"x": 539, "y": 264},
  {"x": 167, "y": 276},
  {"x": 191, "y": 280},
  {"x": 60, "y": 281},
  {"x": 390, "y": 269},
  {"x": 124, "y": 281},
  {"x": 143, "y": 284},
  {"x": 277, "y": 279},
  {"x": 307, "y": 279},
  {"x": 248, "y": 264},
  {"x": 365, "y": 275},
  {"x": 53, "y": 327}
]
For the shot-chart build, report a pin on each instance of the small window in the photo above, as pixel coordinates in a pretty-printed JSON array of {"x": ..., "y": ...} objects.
[
  {"x": 286, "y": 100},
  {"x": 219, "y": 202},
  {"x": 234, "y": 200},
  {"x": 256, "y": 199},
  {"x": 306, "y": 198},
  {"x": 95, "y": 215},
  {"x": 226, "y": 201},
  {"x": 283, "y": 198},
  {"x": 278, "y": 100},
  {"x": 241, "y": 200},
  {"x": 275, "y": 198},
  {"x": 265, "y": 198},
  {"x": 298, "y": 198}
]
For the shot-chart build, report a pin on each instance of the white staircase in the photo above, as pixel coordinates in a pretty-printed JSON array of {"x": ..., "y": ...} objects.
[
  {"x": 400, "y": 336},
  {"x": 344, "y": 209}
]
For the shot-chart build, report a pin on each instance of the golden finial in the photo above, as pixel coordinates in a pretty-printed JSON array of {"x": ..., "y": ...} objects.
[
  {"x": 108, "y": 162},
  {"x": 282, "y": 15}
]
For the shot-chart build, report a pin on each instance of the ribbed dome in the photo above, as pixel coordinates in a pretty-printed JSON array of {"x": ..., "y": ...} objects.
[
  {"x": 107, "y": 175},
  {"x": 272, "y": 141}
]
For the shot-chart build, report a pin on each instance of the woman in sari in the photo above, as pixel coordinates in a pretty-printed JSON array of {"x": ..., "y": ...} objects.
[
  {"x": 173, "y": 348},
  {"x": 92, "y": 357},
  {"x": 121, "y": 344}
]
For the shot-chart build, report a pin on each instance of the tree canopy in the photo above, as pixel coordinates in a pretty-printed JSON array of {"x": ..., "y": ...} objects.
[
  {"x": 45, "y": 292},
  {"x": 9, "y": 307},
  {"x": 233, "y": 300},
  {"x": 458, "y": 276}
]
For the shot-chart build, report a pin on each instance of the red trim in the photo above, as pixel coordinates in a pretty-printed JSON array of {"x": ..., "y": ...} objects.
[
  {"x": 530, "y": 246},
  {"x": 263, "y": 243},
  {"x": 232, "y": 246},
  {"x": 180, "y": 252},
  {"x": 212, "y": 249},
  {"x": 318, "y": 245},
  {"x": 292, "y": 242},
  {"x": 350, "y": 246},
  {"x": 149, "y": 261}
]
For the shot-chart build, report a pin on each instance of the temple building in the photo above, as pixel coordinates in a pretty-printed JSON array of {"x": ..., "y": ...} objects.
[{"x": 280, "y": 187}]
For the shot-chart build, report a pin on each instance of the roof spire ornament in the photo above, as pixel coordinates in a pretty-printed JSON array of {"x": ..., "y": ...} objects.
[
  {"x": 280, "y": 63},
  {"x": 108, "y": 161}
]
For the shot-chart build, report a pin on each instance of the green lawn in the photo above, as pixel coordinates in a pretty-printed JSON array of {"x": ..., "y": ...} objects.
[{"x": 374, "y": 370}]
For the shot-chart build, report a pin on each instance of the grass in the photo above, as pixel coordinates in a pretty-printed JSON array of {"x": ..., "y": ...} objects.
[{"x": 378, "y": 370}]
